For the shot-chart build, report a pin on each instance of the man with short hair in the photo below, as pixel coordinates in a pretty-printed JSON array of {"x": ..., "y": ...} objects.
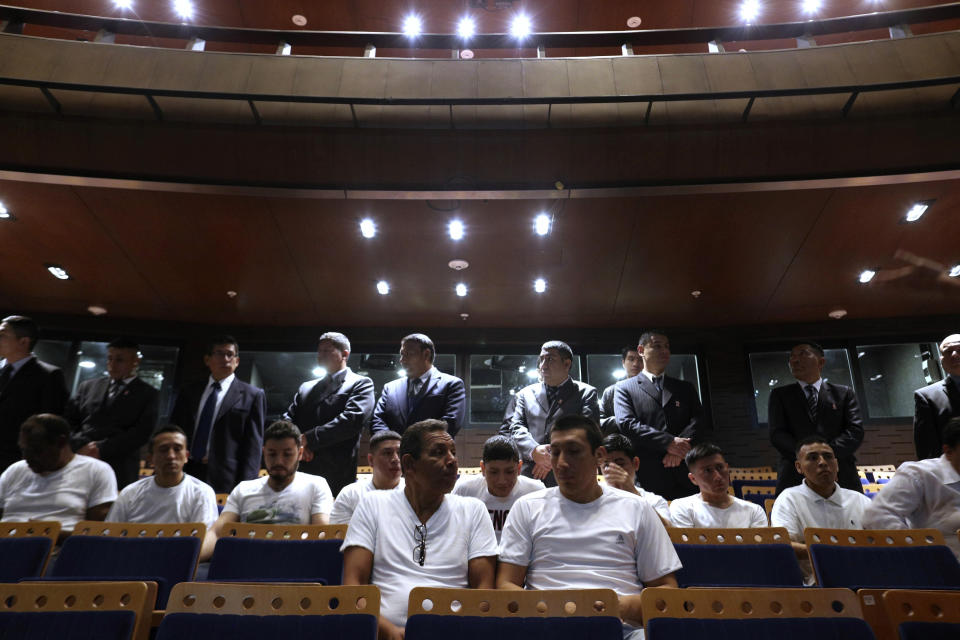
[
  {"x": 285, "y": 495},
  {"x": 424, "y": 393},
  {"x": 223, "y": 419},
  {"x": 332, "y": 411},
  {"x": 420, "y": 536},
  {"x": 818, "y": 501},
  {"x": 27, "y": 385},
  {"x": 935, "y": 404},
  {"x": 582, "y": 535},
  {"x": 713, "y": 506},
  {"x": 112, "y": 416},
  {"x": 384, "y": 459},
  {"x": 924, "y": 494},
  {"x": 499, "y": 484},
  {"x": 52, "y": 482},
  {"x": 663, "y": 418},
  {"x": 632, "y": 366},
  {"x": 541, "y": 404},
  {"x": 814, "y": 406},
  {"x": 620, "y": 471},
  {"x": 169, "y": 495}
]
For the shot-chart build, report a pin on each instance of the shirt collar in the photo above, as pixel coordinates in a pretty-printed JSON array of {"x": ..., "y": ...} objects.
[
  {"x": 813, "y": 495},
  {"x": 126, "y": 381},
  {"x": 650, "y": 376},
  {"x": 224, "y": 384},
  {"x": 948, "y": 474},
  {"x": 18, "y": 364},
  {"x": 816, "y": 385}
]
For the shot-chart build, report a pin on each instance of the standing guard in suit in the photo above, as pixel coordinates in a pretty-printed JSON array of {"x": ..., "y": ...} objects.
[
  {"x": 814, "y": 407},
  {"x": 663, "y": 418},
  {"x": 112, "y": 417},
  {"x": 27, "y": 385},
  {"x": 632, "y": 366},
  {"x": 541, "y": 404},
  {"x": 937, "y": 403},
  {"x": 331, "y": 412},
  {"x": 223, "y": 418},
  {"x": 424, "y": 394}
]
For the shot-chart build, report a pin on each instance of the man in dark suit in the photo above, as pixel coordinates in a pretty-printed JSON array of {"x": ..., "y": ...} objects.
[
  {"x": 938, "y": 402},
  {"x": 632, "y": 366},
  {"x": 663, "y": 418},
  {"x": 540, "y": 405},
  {"x": 223, "y": 418},
  {"x": 27, "y": 385},
  {"x": 814, "y": 407},
  {"x": 331, "y": 412},
  {"x": 112, "y": 417},
  {"x": 425, "y": 393}
]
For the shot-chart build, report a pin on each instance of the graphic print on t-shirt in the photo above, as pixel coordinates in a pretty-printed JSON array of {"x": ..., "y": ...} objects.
[{"x": 277, "y": 511}]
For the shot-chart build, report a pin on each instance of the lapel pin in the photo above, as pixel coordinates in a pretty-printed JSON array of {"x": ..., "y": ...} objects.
[
  {"x": 677, "y": 404},
  {"x": 834, "y": 406}
]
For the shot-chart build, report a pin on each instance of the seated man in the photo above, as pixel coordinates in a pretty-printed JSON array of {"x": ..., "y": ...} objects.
[
  {"x": 581, "y": 535},
  {"x": 285, "y": 495},
  {"x": 52, "y": 482},
  {"x": 169, "y": 495},
  {"x": 818, "y": 501},
  {"x": 500, "y": 484},
  {"x": 924, "y": 494},
  {"x": 384, "y": 458},
  {"x": 620, "y": 471},
  {"x": 713, "y": 506},
  {"x": 451, "y": 536}
]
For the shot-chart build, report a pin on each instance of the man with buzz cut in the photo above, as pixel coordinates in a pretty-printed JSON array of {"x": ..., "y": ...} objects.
[
  {"x": 583, "y": 535},
  {"x": 713, "y": 506},
  {"x": 384, "y": 459},
  {"x": 632, "y": 366},
  {"x": 620, "y": 471},
  {"x": 500, "y": 483}
]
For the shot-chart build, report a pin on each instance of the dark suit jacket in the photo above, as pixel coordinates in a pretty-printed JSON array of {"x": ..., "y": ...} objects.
[
  {"x": 652, "y": 426},
  {"x": 935, "y": 404},
  {"x": 236, "y": 439},
  {"x": 608, "y": 417},
  {"x": 443, "y": 397},
  {"x": 838, "y": 421},
  {"x": 534, "y": 417},
  {"x": 37, "y": 387},
  {"x": 332, "y": 416},
  {"x": 120, "y": 428}
]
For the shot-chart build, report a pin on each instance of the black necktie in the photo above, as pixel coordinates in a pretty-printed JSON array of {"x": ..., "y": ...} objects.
[
  {"x": 658, "y": 383},
  {"x": 5, "y": 374},
  {"x": 812, "y": 400},
  {"x": 552, "y": 393},
  {"x": 115, "y": 387},
  {"x": 202, "y": 437}
]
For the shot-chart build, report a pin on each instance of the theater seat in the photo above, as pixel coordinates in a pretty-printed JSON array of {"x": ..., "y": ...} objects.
[
  {"x": 923, "y": 615},
  {"x": 25, "y": 548},
  {"x": 278, "y": 553},
  {"x": 718, "y": 557}
]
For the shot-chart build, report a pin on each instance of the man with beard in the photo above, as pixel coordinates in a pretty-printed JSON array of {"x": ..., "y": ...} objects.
[{"x": 384, "y": 459}]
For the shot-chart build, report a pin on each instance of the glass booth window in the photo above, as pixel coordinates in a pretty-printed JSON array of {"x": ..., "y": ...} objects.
[
  {"x": 55, "y": 352},
  {"x": 891, "y": 372},
  {"x": 771, "y": 369},
  {"x": 157, "y": 365},
  {"x": 604, "y": 370},
  {"x": 494, "y": 379}
]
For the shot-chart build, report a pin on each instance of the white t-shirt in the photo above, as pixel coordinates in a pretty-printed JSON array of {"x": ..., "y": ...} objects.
[
  {"x": 498, "y": 508},
  {"x": 146, "y": 501},
  {"x": 692, "y": 511},
  {"x": 384, "y": 523},
  {"x": 63, "y": 495},
  {"x": 615, "y": 542},
  {"x": 255, "y": 502},
  {"x": 349, "y": 497}
]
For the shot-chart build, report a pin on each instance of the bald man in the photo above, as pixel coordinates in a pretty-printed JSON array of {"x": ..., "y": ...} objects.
[{"x": 938, "y": 402}]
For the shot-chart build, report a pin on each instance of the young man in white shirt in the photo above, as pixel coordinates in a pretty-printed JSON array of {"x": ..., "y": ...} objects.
[
  {"x": 818, "y": 501},
  {"x": 285, "y": 495},
  {"x": 581, "y": 535},
  {"x": 500, "y": 482},
  {"x": 620, "y": 470},
  {"x": 923, "y": 494},
  {"x": 384, "y": 458},
  {"x": 713, "y": 506},
  {"x": 52, "y": 482},
  {"x": 169, "y": 495},
  {"x": 420, "y": 536}
]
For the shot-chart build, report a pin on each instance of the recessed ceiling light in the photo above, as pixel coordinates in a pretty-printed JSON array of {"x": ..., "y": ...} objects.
[
  {"x": 917, "y": 210},
  {"x": 836, "y": 314},
  {"x": 319, "y": 372},
  {"x": 867, "y": 275},
  {"x": 955, "y": 271},
  {"x": 634, "y": 21},
  {"x": 4, "y": 213},
  {"x": 461, "y": 290},
  {"x": 521, "y": 27},
  {"x": 811, "y": 6},
  {"x": 466, "y": 54},
  {"x": 231, "y": 294},
  {"x": 749, "y": 10},
  {"x": 87, "y": 364},
  {"x": 367, "y": 228},
  {"x": 541, "y": 224},
  {"x": 183, "y": 8},
  {"x": 696, "y": 293},
  {"x": 123, "y": 4},
  {"x": 539, "y": 285},
  {"x": 412, "y": 26},
  {"x": 57, "y": 271},
  {"x": 466, "y": 27},
  {"x": 455, "y": 229},
  {"x": 383, "y": 288},
  {"x": 97, "y": 310},
  {"x": 299, "y": 20}
]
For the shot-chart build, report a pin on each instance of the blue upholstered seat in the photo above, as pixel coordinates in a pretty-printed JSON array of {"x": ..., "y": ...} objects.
[
  {"x": 251, "y": 560},
  {"x": 210, "y": 626},
  {"x": 740, "y": 565},
  {"x": 760, "y": 629},
  {"x": 439, "y": 627},
  {"x": 68, "y": 625},
  {"x": 929, "y": 631},
  {"x": 927, "y": 567},
  {"x": 23, "y": 557}
]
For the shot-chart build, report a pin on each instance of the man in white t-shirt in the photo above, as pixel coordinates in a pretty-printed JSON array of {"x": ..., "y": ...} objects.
[
  {"x": 384, "y": 458},
  {"x": 582, "y": 535},
  {"x": 500, "y": 482},
  {"x": 620, "y": 471},
  {"x": 713, "y": 506},
  {"x": 285, "y": 495},
  {"x": 53, "y": 483},
  {"x": 818, "y": 501},
  {"x": 169, "y": 495},
  {"x": 420, "y": 536}
]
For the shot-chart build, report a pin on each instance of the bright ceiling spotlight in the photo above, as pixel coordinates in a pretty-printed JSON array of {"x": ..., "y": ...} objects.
[
  {"x": 917, "y": 210},
  {"x": 539, "y": 285},
  {"x": 123, "y": 4},
  {"x": 383, "y": 288},
  {"x": 867, "y": 275},
  {"x": 4, "y": 214},
  {"x": 412, "y": 26},
  {"x": 749, "y": 10},
  {"x": 58, "y": 272},
  {"x": 521, "y": 27},
  {"x": 466, "y": 27},
  {"x": 455, "y": 229},
  {"x": 955, "y": 271},
  {"x": 811, "y": 6},
  {"x": 461, "y": 290},
  {"x": 183, "y": 8},
  {"x": 87, "y": 364},
  {"x": 367, "y": 228},
  {"x": 541, "y": 224}
]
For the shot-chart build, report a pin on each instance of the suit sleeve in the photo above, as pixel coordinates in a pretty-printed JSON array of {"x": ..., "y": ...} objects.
[
  {"x": 590, "y": 406},
  {"x": 455, "y": 409},
  {"x": 608, "y": 421},
  {"x": 698, "y": 426},
  {"x": 631, "y": 424},
  {"x": 348, "y": 424},
  {"x": 250, "y": 451},
  {"x": 377, "y": 422},
  {"x": 781, "y": 437},
  {"x": 136, "y": 436},
  {"x": 519, "y": 431},
  {"x": 926, "y": 440},
  {"x": 73, "y": 414},
  {"x": 851, "y": 435},
  {"x": 53, "y": 398}
]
